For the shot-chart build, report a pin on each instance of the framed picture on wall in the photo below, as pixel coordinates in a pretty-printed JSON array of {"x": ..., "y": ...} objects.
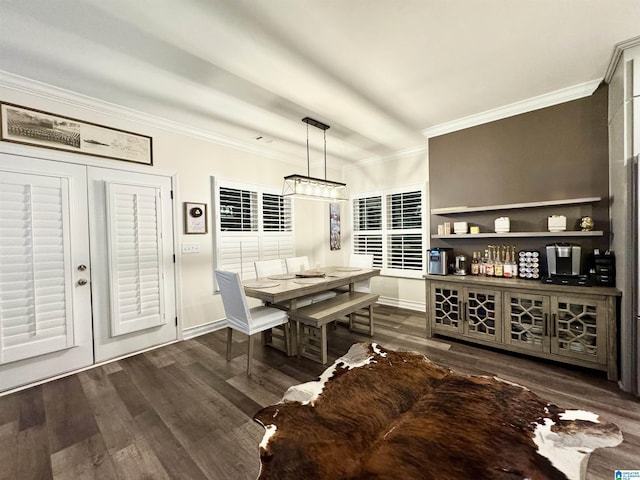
[
  {"x": 334, "y": 226},
  {"x": 195, "y": 217},
  {"x": 42, "y": 129}
]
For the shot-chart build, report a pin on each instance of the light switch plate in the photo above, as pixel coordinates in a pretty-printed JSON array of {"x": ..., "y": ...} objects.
[{"x": 190, "y": 248}]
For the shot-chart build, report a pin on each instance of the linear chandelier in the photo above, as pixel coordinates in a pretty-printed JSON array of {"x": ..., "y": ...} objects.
[{"x": 312, "y": 188}]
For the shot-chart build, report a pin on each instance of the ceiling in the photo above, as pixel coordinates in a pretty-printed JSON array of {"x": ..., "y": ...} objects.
[{"x": 379, "y": 72}]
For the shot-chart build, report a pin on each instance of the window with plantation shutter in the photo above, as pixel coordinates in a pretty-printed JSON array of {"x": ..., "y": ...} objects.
[
  {"x": 390, "y": 225},
  {"x": 135, "y": 257},
  {"x": 35, "y": 285},
  {"x": 252, "y": 223}
]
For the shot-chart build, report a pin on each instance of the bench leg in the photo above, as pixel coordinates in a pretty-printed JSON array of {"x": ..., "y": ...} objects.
[
  {"x": 323, "y": 345},
  {"x": 312, "y": 342},
  {"x": 371, "y": 320},
  {"x": 356, "y": 323}
]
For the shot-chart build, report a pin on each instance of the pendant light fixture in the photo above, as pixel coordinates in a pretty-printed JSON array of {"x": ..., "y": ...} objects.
[{"x": 311, "y": 188}]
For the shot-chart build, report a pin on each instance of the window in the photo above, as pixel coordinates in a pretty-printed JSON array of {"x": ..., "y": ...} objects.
[
  {"x": 389, "y": 225},
  {"x": 252, "y": 223}
]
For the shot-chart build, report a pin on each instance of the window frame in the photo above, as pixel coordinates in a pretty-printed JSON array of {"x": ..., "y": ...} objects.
[
  {"x": 381, "y": 239},
  {"x": 263, "y": 244}
]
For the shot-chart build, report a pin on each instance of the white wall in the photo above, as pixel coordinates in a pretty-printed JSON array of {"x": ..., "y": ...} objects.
[{"x": 195, "y": 160}]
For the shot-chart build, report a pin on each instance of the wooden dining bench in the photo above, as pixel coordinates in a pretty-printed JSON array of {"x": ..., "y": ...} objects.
[{"x": 312, "y": 321}]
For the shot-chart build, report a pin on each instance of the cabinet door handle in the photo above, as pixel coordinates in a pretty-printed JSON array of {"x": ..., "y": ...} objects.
[
  {"x": 553, "y": 321},
  {"x": 466, "y": 310},
  {"x": 545, "y": 325}
]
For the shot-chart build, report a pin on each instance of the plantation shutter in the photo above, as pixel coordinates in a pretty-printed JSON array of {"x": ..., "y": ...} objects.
[
  {"x": 252, "y": 224},
  {"x": 35, "y": 257},
  {"x": 277, "y": 227},
  {"x": 367, "y": 226},
  {"x": 135, "y": 253},
  {"x": 389, "y": 225},
  {"x": 404, "y": 224}
]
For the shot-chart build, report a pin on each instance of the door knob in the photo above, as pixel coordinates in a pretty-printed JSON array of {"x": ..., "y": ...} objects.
[
  {"x": 82, "y": 268},
  {"x": 82, "y": 281}
]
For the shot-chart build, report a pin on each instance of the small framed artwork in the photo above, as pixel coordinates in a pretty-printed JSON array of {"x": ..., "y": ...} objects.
[
  {"x": 42, "y": 129},
  {"x": 334, "y": 226},
  {"x": 195, "y": 217}
]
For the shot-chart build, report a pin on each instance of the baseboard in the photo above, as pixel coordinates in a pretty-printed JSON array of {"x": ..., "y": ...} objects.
[
  {"x": 198, "y": 330},
  {"x": 396, "y": 302}
]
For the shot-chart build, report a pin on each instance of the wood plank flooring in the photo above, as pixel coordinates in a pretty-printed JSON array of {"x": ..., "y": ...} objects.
[{"x": 183, "y": 412}]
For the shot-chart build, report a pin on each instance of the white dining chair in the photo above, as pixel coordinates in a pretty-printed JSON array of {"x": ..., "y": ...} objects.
[
  {"x": 360, "y": 321},
  {"x": 360, "y": 261},
  {"x": 297, "y": 264},
  {"x": 264, "y": 268},
  {"x": 242, "y": 318}
]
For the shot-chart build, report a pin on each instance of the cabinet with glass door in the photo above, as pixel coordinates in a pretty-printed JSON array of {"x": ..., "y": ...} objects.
[
  {"x": 574, "y": 325},
  {"x": 569, "y": 326}
]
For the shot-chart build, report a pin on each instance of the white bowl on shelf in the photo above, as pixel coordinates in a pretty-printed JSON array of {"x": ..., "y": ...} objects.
[{"x": 460, "y": 227}]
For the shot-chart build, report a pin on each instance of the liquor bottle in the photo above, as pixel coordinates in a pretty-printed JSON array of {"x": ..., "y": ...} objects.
[
  {"x": 498, "y": 265},
  {"x": 489, "y": 266},
  {"x": 508, "y": 272},
  {"x": 475, "y": 265},
  {"x": 483, "y": 264},
  {"x": 514, "y": 259}
]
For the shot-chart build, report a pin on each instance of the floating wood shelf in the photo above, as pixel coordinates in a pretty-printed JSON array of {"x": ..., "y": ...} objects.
[
  {"x": 511, "y": 206},
  {"x": 593, "y": 233}
]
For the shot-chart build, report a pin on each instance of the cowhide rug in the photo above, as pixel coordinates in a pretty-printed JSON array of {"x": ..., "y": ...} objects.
[{"x": 380, "y": 414}]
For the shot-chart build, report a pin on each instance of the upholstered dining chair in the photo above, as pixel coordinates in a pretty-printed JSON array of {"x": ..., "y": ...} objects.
[
  {"x": 360, "y": 261},
  {"x": 242, "y": 318},
  {"x": 296, "y": 264},
  {"x": 264, "y": 268},
  {"x": 360, "y": 321}
]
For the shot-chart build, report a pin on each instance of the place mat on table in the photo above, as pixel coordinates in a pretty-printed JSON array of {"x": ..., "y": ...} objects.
[
  {"x": 261, "y": 284},
  {"x": 282, "y": 276},
  {"x": 308, "y": 281},
  {"x": 348, "y": 269}
]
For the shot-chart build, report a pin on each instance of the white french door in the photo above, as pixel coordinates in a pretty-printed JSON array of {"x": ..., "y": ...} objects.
[
  {"x": 45, "y": 296},
  {"x": 132, "y": 253},
  {"x": 86, "y": 266}
]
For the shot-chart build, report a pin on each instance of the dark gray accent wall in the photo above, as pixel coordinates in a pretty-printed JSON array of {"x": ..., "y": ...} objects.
[{"x": 554, "y": 153}]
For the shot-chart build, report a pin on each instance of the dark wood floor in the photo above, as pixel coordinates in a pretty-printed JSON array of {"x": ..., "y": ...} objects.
[{"x": 183, "y": 412}]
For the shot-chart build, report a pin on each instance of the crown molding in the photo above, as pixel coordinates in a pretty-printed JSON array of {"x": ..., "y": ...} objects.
[
  {"x": 542, "y": 101},
  {"x": 67, "y": 97},
  {"x": 388, "y": 157},
  {"x": 617, "y": 53}
]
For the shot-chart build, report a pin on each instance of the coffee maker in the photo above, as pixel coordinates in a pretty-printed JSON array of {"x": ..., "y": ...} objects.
[
  {"x": 563, "y": 259},
  {"x": 563, "y": 265},
  {"x": 439, "y": 259}
]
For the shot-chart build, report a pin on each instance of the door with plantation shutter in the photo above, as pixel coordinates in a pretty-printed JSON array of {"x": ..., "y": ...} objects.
[
  {"x": 132, "y": 250},
  {"x": 45, "y": 297}
]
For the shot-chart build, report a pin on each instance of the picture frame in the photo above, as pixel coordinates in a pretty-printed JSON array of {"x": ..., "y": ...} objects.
[
  {"x": 29, "y": 126},
  {"x": 195, "y": 218},
  {"x": 334, "y": 226}
]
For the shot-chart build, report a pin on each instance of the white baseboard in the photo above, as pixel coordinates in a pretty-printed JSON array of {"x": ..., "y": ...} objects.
[
  {"x": 198, "y": 330},
  {"x": 396, "y": 302}
]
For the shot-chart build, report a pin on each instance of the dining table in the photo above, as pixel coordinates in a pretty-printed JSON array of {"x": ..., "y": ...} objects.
[
  {"x": 283, "y": 291},
  {"x": 286, "y": 288}
]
